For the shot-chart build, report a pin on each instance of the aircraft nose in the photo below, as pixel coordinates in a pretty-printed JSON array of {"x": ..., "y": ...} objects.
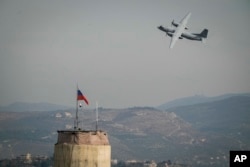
[{"x": 159, "y": 27}]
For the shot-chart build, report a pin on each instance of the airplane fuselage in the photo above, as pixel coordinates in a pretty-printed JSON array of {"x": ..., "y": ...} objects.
[{"x": 170, "y": 31}]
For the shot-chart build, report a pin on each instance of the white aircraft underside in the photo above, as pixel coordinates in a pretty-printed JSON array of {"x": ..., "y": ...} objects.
[{"x": 179, "y": 31}]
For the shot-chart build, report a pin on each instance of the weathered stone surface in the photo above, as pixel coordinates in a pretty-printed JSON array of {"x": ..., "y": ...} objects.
[
  {"x": 82, "y": 149},
  {"x": 83, "y": 137}
]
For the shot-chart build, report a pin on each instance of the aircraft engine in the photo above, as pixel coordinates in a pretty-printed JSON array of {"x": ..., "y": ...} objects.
[
  {"x": 170, "y": 34},
  {"x": 176, "y": 25}
]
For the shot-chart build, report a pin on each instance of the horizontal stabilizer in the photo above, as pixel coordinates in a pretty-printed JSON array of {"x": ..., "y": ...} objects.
[{"x": 203, "y": 40}]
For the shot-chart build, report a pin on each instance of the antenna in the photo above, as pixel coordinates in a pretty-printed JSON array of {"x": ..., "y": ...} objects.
[{"x": 96, "y": 109}]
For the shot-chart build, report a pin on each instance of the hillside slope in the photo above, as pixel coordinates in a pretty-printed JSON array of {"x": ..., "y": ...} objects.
[
  {"x": 197, "y": 99},
  {"x": 198, "y": 135},
  {"x": 229, "y": 117}
]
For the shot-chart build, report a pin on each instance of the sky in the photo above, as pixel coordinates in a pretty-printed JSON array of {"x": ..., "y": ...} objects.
[{"x": 115, "y": 53}]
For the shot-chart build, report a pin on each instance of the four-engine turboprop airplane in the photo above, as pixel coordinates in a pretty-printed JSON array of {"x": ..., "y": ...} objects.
[{"x": 179, "y": 31}]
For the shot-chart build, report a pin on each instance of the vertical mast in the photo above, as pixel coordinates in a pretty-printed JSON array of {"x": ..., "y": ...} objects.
[
  {"x": 96, "y": 116},
  {"x": 76, "y": 121}
]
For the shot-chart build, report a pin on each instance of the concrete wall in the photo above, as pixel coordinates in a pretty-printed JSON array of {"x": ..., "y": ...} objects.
[
  {"x": 82, "y": 149},
  {"x": 72, "y": 155}
]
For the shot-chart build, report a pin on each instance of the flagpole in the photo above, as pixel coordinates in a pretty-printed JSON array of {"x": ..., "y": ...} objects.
[
  {"x": 79, "y": 96},
  {"x": 76, "y": 123}
]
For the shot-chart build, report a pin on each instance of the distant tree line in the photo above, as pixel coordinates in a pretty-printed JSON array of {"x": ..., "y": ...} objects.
[
  {"x": 48, "y": 162},
  {"x": 141, "y": 164}
]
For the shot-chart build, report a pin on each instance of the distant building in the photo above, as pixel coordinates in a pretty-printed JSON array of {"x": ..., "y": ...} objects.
[
  {"x": 25, "y": 158},
  {"x": 58, "y": 115},
  {"x": 150, "y": 164},
  {"x": 68, "y": 114}
]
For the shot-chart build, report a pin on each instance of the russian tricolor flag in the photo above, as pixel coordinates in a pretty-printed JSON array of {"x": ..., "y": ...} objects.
[{"x": 80, "y": 96}]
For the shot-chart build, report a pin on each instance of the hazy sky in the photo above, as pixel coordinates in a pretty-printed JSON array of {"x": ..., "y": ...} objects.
[{"x": 116, "y": 54}]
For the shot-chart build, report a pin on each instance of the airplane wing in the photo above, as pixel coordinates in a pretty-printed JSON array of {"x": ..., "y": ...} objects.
[
  {"x": 179, "y": 30},
  {"x": 173, "y": 41},
  {"x": 185, "y": 19}
]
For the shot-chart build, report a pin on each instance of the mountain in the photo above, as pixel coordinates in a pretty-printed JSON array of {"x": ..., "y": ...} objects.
[
  {"x": 228, "y": 116},
  {"x": 135, "y": 133},
  {"x": 196, "y": 99},
  {"x": 196, "y": 135},
  {"x": 22, "y": 106}
]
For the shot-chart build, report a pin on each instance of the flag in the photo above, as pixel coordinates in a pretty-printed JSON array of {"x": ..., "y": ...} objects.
[{"x": 80, "y": 96}]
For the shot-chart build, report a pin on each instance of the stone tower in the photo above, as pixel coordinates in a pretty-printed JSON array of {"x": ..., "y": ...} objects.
[{"x": 78, "y": 148}]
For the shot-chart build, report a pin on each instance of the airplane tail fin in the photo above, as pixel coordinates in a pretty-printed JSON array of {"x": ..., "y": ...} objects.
[{"x": 204, "y": 33}]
